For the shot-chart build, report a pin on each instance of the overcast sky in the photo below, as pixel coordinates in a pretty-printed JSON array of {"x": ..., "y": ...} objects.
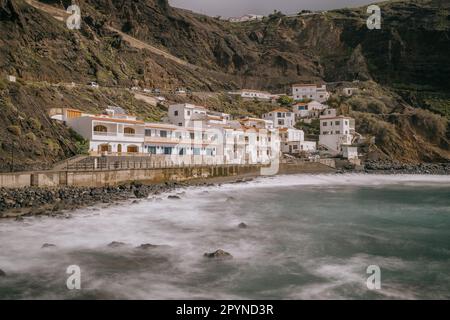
[{"x": 233, "y": 8}]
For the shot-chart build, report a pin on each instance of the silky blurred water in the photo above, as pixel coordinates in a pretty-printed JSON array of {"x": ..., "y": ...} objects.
[{"x": 308, "y": 237}]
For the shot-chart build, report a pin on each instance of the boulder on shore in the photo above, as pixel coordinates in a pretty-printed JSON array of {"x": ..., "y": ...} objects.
[{"x": 219, "y": 254}]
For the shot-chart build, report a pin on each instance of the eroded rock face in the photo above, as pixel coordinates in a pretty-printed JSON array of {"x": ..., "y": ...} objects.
[{"x": 218, "y": 254}]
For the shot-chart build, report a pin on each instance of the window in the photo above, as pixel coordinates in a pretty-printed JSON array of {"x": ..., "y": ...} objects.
[
  {"x": 180, "y": 124},
  {"x": 346, "y": 122},
  {"x": 324, "y": 123},
  {"x": 196, "y": 151},
  {"x": 100, "y": 128},
  {"x": 175, "y": 113},
  {"x": 279, "y": 115},
  {"x": 338, "y": 132},
  {"x": 152, "y": 150},
  {"x": 191, "y": 135},
  {"x": 188, "y": 112},
  {"x": 163, "y": 134},
  {"x": 148, "y": 132},
  {"x": 181, "y": 151},
  {"x": 129, "y": 131},
  {"x": 337, "y": 123},
  {"x": 281, "y": 122},
  {"x": 167, "y": 150}
]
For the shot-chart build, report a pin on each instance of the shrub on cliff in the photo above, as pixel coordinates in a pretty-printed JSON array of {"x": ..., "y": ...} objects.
[{"x": 15, "y": 130}]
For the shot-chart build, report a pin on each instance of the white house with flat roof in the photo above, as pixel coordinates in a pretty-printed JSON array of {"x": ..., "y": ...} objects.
[
  {"x": 281, "y": 118},
  {"x": 108, "y": 134},
  {"x": 310, "y": 91},
  {"x": 311, "y": 109},
  {"x": 255, "y": 94},
  {"x": 182, "y": 114},
  {"x": 336, "y": 131},
  {"x": 187, "y": 115}
]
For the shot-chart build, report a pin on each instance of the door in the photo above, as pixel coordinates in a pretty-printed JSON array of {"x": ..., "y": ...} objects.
[
  {"x": 132, "y": 149},
  {"x": 119, "y": 148}
]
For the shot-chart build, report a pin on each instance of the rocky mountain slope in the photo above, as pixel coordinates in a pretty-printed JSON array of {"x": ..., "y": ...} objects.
[{"x": 404, "y": 67}]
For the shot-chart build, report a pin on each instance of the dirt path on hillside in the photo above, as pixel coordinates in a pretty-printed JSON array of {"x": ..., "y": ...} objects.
[{"x": 60, "y": 15}]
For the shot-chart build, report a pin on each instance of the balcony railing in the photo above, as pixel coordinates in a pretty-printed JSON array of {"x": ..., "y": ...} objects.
[
  {"x": 133, "y": 135},
  {"x": 115, "y": 134},
  {"x": 104, "y": 133}
]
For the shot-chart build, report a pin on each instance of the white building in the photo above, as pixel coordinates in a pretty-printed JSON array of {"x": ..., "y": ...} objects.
[
  {"x": 11, "y": 78},
  {"x": 211, "y": 140},
  {"x": 107, "y": 134},
  {"x": 311, "y": 109},
  {"x": 310, "y": 91},
  {"x": 281, "y": 118},
  {"x": 247, "y": 17},
  {"x": 181, "y": 114},
  {"x": 257, "y": 123},
  {"x": 336, "y": 131},
  {"x": 188, "y": 115},
  {"x": 250, "y": 94}
]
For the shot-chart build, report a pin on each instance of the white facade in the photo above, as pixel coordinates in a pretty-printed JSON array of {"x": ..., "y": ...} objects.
[
  {"x": 311, "y": 109},
  {"x": 188, "y": 115},
  {"x": 216, "y": 140},
  {"x": 310, "y": 91},
  {"x": 336, "y": 131},
  {"x": 11, "y": 78},
  {"x": 247, "y": 17},
  {"x": 255, "y": 94},
  {"x": 109, "y": 135},
  {"x": 281, "y": 118},
  {"x": 183, "y": 115}
]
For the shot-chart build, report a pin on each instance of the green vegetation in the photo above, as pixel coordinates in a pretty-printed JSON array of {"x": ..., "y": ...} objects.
[
  {"x": 312, "y": 128},
  {"x": 285, "y": 101}
]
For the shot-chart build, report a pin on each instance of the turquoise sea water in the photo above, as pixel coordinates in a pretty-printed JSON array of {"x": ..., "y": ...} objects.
[{"x": 308, "y": 237}]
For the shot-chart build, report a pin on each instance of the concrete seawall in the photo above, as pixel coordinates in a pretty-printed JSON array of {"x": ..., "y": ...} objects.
[{"x": 100, "y": 178}]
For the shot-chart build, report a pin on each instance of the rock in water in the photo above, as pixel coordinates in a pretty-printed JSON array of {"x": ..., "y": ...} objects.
[
  {"x": 242, "y": 225},
  {"x": 173, "y": 197},
  {"x": 219, "y": 254},
  {"x": 47, "y": 245},
  {"x": 147, "y": 246},
  {"x": 2, "y": 273},
  {"x": 116, "y": 244}
]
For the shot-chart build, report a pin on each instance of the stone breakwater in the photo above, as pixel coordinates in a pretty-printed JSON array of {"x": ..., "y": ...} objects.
[
  {"x": 52, "y": 201},
  {"x": 387, "y": 167}
]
